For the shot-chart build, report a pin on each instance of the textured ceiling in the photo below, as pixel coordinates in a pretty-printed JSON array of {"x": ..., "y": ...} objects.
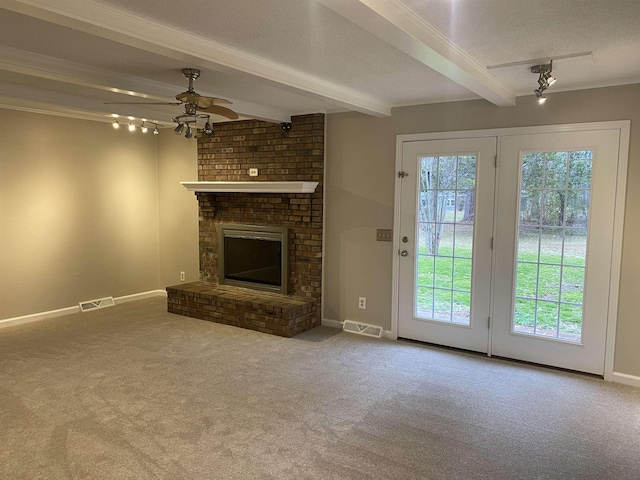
[{"x": 279, "y": 58}]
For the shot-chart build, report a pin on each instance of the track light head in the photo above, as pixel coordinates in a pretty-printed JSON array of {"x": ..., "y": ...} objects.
[
  {"x": 545, "y": 80},
  {"x": 143, "y": 127},
  {"x": 190, "y": 122},
  {"x": 115, "y": 123},
  {"x": 155, "y": 131}
]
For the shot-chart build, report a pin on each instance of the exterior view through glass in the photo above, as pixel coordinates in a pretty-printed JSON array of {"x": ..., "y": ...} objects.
[
  {"x": 552, "y": 244},
  {"x": 445, "y": 222}
]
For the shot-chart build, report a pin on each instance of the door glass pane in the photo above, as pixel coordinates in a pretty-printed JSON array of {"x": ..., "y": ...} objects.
[
  {"x": 552, "y": 244},
  {"x": 530, "y": 207},
  {"x": 446, "y": 210}
]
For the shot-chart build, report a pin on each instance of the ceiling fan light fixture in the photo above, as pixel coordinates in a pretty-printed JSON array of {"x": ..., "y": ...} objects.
[
  {"x": 545, "y": 80},
  {"x": 196, "y": 108}
]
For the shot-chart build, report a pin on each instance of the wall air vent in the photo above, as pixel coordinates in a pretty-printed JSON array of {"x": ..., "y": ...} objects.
[
  {"x": 95, "y": 304},
  {"x": 362, "y": 328}
]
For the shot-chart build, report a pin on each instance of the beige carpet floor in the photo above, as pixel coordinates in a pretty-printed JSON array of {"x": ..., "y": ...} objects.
[{"x": 133, "y": 392}]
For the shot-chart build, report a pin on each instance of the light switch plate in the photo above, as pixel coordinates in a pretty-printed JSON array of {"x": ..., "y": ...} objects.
[{"x": 384, "y": 235}]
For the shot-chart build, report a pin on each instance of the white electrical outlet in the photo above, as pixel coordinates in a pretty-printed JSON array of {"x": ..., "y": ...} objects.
[
  {"x": 182, "y": 276},
  {"x": 362, "y": 303},
  {"x": 253, "y": 172}
]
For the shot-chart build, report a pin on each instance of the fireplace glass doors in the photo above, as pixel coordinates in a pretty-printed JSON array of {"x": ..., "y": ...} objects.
[{"x": 253, "y": 256}]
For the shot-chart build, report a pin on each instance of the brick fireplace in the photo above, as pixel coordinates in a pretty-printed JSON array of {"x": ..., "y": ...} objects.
[{"x": 296, "y": 155}]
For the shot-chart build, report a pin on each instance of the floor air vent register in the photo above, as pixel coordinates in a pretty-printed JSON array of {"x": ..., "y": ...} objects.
[
  {"x": 362, "y": 328},
  {"x": 95, "y": 304}
]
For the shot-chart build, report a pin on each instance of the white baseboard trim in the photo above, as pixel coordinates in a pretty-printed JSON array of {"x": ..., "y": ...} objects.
[
  {"x": 331, "y": 323},
  {"x": 626, "y": 379},
  {"x": 141, "y": 296},
  {"x": 34, "y": 317},
  {"x": 388, "y": 334}
]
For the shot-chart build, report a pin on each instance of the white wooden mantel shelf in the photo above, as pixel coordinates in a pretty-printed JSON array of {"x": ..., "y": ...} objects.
[{"x": 251, "y": 187}]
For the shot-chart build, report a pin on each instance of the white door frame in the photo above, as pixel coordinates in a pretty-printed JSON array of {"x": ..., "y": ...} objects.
[{"x": 623, "y": 126}]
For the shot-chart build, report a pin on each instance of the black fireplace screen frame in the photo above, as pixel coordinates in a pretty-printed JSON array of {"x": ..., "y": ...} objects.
[{"x": 254, "y": 256}]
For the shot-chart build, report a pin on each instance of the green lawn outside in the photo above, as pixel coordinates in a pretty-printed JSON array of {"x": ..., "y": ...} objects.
[{"x": 558, "y": 282}]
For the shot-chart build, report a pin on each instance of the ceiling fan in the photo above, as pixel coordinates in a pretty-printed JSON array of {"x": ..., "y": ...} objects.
[{"x": 194, "y": 103}]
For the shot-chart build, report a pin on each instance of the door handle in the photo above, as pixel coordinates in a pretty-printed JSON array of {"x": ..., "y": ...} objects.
[{"x": 404, "y": 253}]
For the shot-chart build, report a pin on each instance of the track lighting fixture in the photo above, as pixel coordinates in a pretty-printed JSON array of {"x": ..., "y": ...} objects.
[
  {"x": 132, "y": 125},
  {"x": 286, "y": 126},
  {"x": 545, "y": 80}
]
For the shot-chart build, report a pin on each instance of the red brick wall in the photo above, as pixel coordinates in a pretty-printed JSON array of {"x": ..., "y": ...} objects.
[{"x": 279, "y": 156}]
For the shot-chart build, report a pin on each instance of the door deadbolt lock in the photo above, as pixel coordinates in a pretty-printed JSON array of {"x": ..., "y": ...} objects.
[
  {"x": 405, "y": 239},
  {"x": 404, "y": 253}
]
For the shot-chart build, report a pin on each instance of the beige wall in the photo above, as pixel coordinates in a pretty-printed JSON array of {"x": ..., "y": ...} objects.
[
  {"x": 178, "y": 207},
  {"x": 87, "y": 211},
  {"x": 78, "y": 212},
  {"x": 360, "y": 181}
]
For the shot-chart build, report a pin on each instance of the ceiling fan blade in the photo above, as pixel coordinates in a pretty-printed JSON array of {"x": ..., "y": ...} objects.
[
  {"x": 218, "y": 110},
  {"x": 203, "y": 102}
]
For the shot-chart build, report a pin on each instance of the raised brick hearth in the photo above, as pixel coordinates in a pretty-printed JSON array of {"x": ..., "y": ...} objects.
[
  {"x": 262, "y": 311},
  {"x": 297, "y": 155}
]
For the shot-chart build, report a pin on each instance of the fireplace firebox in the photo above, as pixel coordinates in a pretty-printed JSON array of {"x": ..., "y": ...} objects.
[{"x": 254, "y": 256}]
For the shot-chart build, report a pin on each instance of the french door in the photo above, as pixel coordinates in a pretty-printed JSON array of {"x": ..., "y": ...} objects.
[
  {"x": 515, "y": 261},
  {"x": 445, "y": 247},
  {"x": 554, "y": 239}
]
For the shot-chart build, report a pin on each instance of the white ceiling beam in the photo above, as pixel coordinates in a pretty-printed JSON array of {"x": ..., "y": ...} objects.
[
  {"x": 120, "y": 26},
  {"x": 398, "y": 25},
  {"x": 41, "y": 66}
]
